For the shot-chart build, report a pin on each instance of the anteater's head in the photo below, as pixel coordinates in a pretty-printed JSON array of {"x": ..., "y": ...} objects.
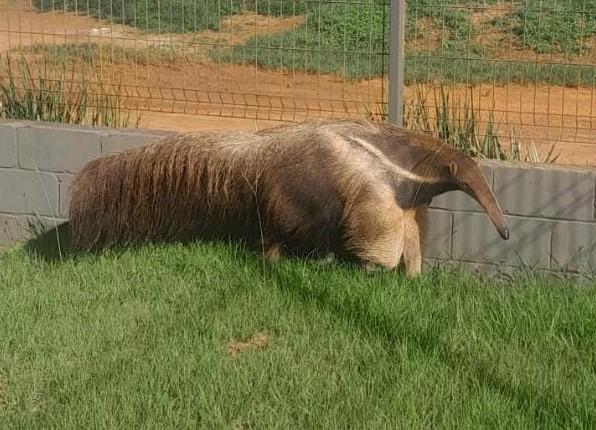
[
  {"x": 432, "y": 167},
  {"x": 463, "y": 172}
]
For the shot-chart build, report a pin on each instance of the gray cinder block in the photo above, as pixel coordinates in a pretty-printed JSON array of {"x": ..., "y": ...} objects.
[
  {"x": 546, "y": 192},
  {"x": 438, "y": 240},
  {"x": 475, "y": 239},
  {"x": 574, "y": 246},
  {"x": 28, "y": 192},
  {"x": 18, "y": 228},
  {"x": 8, "y": 145},
  {"x": 57, "y": 149},
  {"x": 122, "y": 140},
  {"x": 460, "y": 201},
  {"x": 13, "y": 228}
]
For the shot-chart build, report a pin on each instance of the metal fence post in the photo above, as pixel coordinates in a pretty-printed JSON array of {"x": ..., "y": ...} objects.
[{"x": 396, "y": 61}]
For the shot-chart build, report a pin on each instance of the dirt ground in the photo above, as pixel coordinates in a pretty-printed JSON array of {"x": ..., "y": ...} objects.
[{"x": 198, "y": 93}]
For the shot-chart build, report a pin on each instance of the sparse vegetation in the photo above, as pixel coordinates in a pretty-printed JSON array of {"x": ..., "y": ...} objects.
[
  {"x": 460, "y": 124},
  {"x": 94, "y": 53},
  {"x": 444, "y": 41},
  {"x": 154, "y": 16},
  {"x": 473, "y": 69},
  {"x": 550, "y": 26},
  {"x": 351, "y": 39},
  {"x": 145, "y": 339},
  {"x": 343, "y": 38},
  {"x": 29, "y": 91}
]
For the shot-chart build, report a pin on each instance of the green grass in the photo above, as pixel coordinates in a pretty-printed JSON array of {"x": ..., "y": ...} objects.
[
  {"x": 138, "y": 339},
  {"x": 460, "y": 67},
  {"x": 351, "y": 40},
  {"x": 300, "y": 52},
  {"x": 344, "y": 38},
  {"x": 554, "y": 26},
  {"x": 177, "y": 16},
  {"x": 153, "y": 16}
]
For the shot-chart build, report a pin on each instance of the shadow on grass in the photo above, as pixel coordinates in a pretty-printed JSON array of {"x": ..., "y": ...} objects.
[
  {"x": 54, "y": 246},
  {"x": 51, "y": 245},
  {"x": 546, "y": 407}
]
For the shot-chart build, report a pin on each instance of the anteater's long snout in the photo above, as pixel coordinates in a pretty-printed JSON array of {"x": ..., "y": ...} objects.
[
  {"x": 479, "y": 190},
  {"x": 504, "y": 232}
]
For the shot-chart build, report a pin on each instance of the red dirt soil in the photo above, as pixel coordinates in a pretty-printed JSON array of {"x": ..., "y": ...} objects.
[{"x": 199, "y": 94}]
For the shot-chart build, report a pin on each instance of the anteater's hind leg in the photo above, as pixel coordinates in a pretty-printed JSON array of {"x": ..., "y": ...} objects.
[
  {"x": 374, "y": 233},
  {"x": 414, "y": 236}
]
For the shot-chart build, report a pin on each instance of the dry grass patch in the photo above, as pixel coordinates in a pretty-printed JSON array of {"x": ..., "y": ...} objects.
[{"x": 257, "y": 342}]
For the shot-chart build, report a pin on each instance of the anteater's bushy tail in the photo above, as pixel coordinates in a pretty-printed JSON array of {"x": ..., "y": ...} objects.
[{"x": 164, "y": 191}]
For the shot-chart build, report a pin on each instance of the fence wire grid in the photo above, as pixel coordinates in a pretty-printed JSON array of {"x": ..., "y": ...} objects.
[{"x": 518, "y": 71}]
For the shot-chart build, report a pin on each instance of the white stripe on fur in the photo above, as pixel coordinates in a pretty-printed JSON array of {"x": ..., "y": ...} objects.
[{"x": 397, "y": 169}]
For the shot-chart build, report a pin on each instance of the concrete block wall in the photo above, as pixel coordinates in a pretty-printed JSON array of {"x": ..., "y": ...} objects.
[
  {"x": 550, "y": 209},
  {"x": 37, "y": 162}
]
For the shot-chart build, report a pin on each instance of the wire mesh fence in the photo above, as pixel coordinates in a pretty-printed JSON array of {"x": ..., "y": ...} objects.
[
  {"x": 491, "y": 71},
  {"x": 523, "y": 70},
  {"x": 266, "y": 59}
]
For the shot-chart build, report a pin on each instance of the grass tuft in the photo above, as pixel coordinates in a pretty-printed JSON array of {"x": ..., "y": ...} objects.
[
  {"x": 550, "y": 26},
  {"x": 460, "y": 124},
  {"x": 97, "y": 54},
  {"x": 30, "y": 92}
]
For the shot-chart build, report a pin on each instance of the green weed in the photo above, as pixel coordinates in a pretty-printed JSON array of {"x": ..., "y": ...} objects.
[
  {"x": 152, "y": 16},
  {"x": 94, "y": 53},
  {"x": 351, "y": 40},
  {"x": 348, "y": 39},
  {"x": 458, "y": 122},
  {"x": 31, "y": 93},
  {"x": 551, "y": 26}
]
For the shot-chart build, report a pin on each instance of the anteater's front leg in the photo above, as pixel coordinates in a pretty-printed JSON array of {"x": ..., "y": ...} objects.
[
  {"x": 374, "y": 233},
  {"x": 414, "y": 237}
]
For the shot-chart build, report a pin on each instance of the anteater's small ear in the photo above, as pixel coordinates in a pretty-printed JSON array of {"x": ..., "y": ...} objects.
[{"x": 453, "y": 168}]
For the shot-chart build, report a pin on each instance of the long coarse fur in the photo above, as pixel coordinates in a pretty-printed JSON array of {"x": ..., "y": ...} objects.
[
  {"x": 338, "y": 186},
  {"x": 165, "y": 191},
  {"x": 236, "y": 185}
]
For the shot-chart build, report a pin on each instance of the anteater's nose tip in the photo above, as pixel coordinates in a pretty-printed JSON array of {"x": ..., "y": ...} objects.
[{"x": 505, "y": 233}]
